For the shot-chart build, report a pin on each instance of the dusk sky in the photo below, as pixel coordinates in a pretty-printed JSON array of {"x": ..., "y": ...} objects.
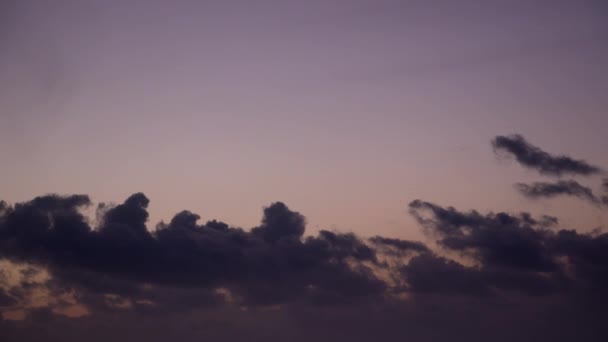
[{"x": 345, "y": 111}]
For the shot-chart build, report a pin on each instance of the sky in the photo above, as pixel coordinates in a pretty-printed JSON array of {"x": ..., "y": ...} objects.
[{"x": 364, "y": 119}]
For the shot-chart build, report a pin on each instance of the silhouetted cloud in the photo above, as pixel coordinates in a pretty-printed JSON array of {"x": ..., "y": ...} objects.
[
  {"x": 535, "y": 158},
  {"x": 119, "y": 268},
  {"x": 183, "y": 265},
  {"x": 270, "y": 264},
  {"x": 433, "y": 274},
  {"x": 509, "y": 250},
  {"x": 515, "y": 252},
  {"x": 560, "y": 188}
]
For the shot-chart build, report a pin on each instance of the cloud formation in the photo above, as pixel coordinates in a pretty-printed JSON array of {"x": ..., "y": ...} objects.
[
  {"x": 533, "y": 157},
  {"x": 121, "y": 264},
  {"x": 540, "y": 190},
  {"x": 327, "y": 286},
  {"x": 270, "y": 264},
  {"x": 515, "y": 252},
  {"x": 63, "y": 268}
]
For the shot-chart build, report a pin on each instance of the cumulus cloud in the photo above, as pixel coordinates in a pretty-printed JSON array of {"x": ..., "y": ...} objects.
[
  {"x": 270, "y": 264},
  {"x": 184, "y": 263},
  {"x": 533, "y": 157},
  {"x": 60, "y": 266},
  {"x": 71, "y": 268},
  {"x": 515, "y": 252}
]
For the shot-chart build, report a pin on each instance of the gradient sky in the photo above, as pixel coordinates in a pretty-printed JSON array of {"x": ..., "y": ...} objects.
[
  {"x": 389, "y": 161},
  {"x": 345, "y": 110}
]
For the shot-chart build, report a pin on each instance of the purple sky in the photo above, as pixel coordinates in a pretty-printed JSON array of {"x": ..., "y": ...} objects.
[
  {"x": 345, "y": 110},
  {"x": 390, "y": 163}
]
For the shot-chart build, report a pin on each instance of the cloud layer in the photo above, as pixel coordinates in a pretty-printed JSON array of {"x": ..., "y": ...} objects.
[
  {"x": 186, "y": 263},
  {"x": 59, "y": 267}
]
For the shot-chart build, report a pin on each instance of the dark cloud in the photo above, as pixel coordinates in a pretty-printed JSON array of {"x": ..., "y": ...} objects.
[
  {"x": 279, "y": 222},
  {"x": 118, "y": 267},
  {"x": 6, "y": 299},
  {"x": 495, "y": 240},
  {"x": 539, "y": 190},
  {"x": 276, "y": 263},
  {"x": 515, "y": 252},
  {"x": 398, "y": 246},
  {"x": 433, "y": 274},
  {"x": 587, "y": 256},
  {"x": 535, "y": 158},
  {"x": 270, "y": 264}
]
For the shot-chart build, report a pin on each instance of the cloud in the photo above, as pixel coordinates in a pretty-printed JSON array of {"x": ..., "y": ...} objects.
[
  {"x": 533, "y": 157},
  {"x": 270, "y": 264},
  {"x": 5, "y": 299},
  {"x": 501, "y": 241},
  {"x": 539, "y": 190},
  {"x": 275, "y": 263},
  {"x": 432, "y": 274},
  {"x": 514, "y": 252},
  {"x": 120, "y": 268},
  {"x": 398, "y": 246}
]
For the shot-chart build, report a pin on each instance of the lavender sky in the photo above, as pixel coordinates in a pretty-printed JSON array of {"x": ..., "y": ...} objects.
[
  {"x": 345, "y": 110},
  {"x": 419, "y": 170}
]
